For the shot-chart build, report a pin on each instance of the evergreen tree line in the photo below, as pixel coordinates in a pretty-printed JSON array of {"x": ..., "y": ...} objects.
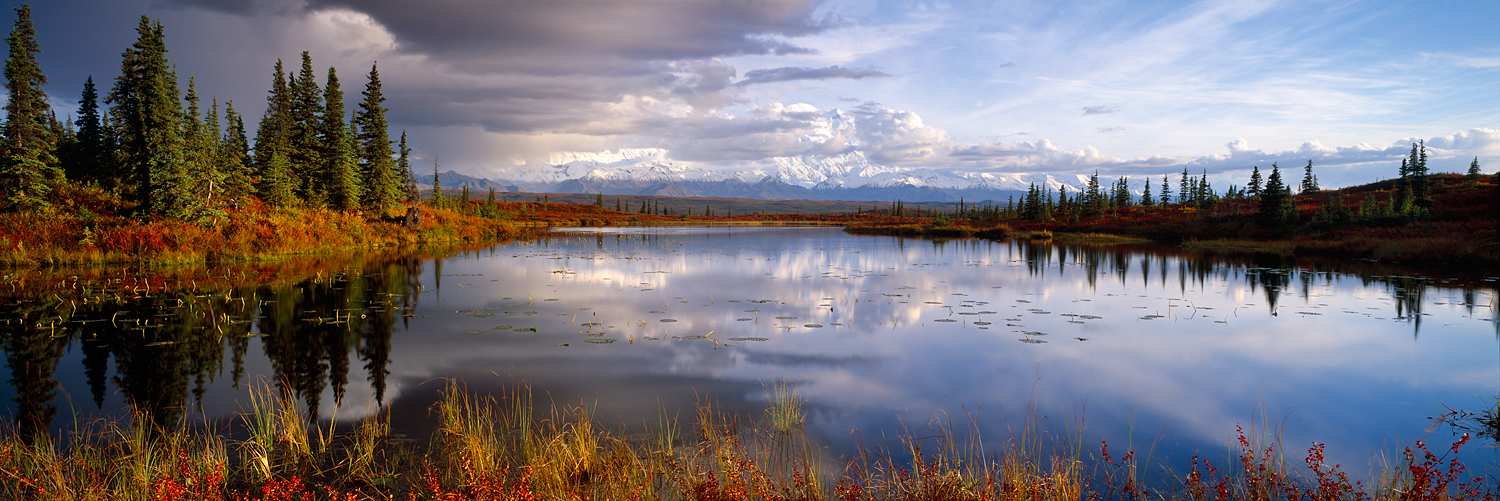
[
  {"x": 1272, "y": 196},
  {"x": 157, "y": 147}
]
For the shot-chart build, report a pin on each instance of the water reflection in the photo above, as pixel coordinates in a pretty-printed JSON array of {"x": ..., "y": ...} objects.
[
  {"x": 161, "y": 349},
  {"x": 878, "y": 333}
]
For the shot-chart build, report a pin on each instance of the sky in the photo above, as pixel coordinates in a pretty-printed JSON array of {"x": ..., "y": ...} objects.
[{"x": 1057, "y": 87}]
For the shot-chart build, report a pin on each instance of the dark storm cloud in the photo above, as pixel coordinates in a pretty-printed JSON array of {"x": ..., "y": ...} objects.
[
  {"x": 789, "y": 73},
  {"x": 240, "y": 7},
  {"x": 572, "y": 36},
  {"x": 592, "y": 68}
]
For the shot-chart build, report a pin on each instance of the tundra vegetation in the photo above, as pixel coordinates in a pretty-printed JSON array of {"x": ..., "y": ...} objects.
[{"x": 159, "y": 177}]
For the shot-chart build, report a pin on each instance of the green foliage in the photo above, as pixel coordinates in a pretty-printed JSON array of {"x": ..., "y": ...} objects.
[
  {"x": 1254, "y": 188},
  {"x": 345, "y": 190},
  {"x": 383, "y": 185},
  {"x": 1332, "y": 214},
  {"x": 306, "y": 142},
  {"x": 202, "y": 173},
  {"x": 1309, "y": 181},
  {"x": 272, "y": 134},
  {"x": 277, "y": 187},
  {"x": 91, "y": 155},
  {"x": 28, "y": 165},
  {"x": 437, "y": 185},
  {"x": 1277, "y": 210},
  {"x": 236, "y": 157},
  {"x": 147, "y": 114},
  {"x": 404, "y": 164},
  {"x": 340, "y": 152},
  {"x": 1473, "y": 177},
  {"x": 1166, "y": 191},
  {"x": 1120, "y": 196},
  {"x": 1093, "y": 199}
]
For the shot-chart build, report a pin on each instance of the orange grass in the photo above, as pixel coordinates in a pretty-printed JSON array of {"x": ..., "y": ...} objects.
[
  {"x": 90, "y": 229},
  {"x": 503, "y": 449}
]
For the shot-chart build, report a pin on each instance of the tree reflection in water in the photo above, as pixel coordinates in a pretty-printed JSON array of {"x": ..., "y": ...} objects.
[{"x": 165, "y": 347}]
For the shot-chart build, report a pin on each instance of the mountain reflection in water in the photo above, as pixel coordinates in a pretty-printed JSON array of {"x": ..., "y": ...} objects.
[{"x": 878, "y": 334}]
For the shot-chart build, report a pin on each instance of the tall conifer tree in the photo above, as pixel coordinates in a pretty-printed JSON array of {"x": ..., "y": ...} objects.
[
  {"x": 1277, "y": 210},
  {"x": 403, "y": 163},
  {"x": 88, "y": 162},
  {"x": 200, "y": 157},
  {"x": 1254, "y": 186},
  {"x": 437, "y": 185},
  {"x": 305, "y": 145},
  {"x": 271, "y": 136},
  {"x": 146, "y": 112},
  {"x": 28, "y": 162},
  {"x": 277, "y": 187},
  {"x": 1309, "y": 181},
  {"x": 340, "y": 152},
  {"x": 382, "y": 183},
  {"x": 236, "y": 157}
]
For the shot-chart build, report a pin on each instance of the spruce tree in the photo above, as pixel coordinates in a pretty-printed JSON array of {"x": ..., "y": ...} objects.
[
  {"x": 305, "y": 142},
  {"x": 200, "y": 169},
  {"x": 213, "y": 140},
  {"x": 403, "y": 163},
  {"x": 146, "y": 112},
  {"x": 437, "y": 185},
  {"x": 339, "y": 151},
  {"x": 277, "y": 188},
  {"x": 236, "y": 159},
  {"x": 1421, "y": 184},
  {"x": 1185, "y": 189},
  {"x": 383, "y": 188},
  {"x": 88, "y": 162},
  {"x": 1474, "y": 172},
  {"x": 1254, "y": 186},
  {"x": 1309, "y": 182},
  {"x": 1166, "y": 191},
  {"x": 346, "y": 190},
  {"x": 271, "y": 136},
  {"x": 1277, "y": 210},
  {"x": 1093, "y": 199},
  {"x": 28, "y": 165},
  {"x": 1146, "y": 200}
]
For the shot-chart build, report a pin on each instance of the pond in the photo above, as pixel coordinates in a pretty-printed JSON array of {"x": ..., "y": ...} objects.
[{"x": 881, "y": 337}]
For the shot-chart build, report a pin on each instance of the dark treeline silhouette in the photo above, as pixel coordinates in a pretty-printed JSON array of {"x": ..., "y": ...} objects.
[
  {"x": 157, "y": 147},
  {"x": 1272, "y": 275},
  {"x": 165, "y": 347}
]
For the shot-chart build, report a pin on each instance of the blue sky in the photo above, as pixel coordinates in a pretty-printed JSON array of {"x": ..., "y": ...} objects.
[{"x": 1124, "y": 88}]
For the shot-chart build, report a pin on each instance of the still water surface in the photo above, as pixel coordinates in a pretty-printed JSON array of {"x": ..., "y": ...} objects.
[{"x": 880, "y": 335}]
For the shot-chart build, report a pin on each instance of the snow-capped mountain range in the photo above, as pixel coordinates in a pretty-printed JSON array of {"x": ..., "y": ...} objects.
[{"x": 845, "y": 176}]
